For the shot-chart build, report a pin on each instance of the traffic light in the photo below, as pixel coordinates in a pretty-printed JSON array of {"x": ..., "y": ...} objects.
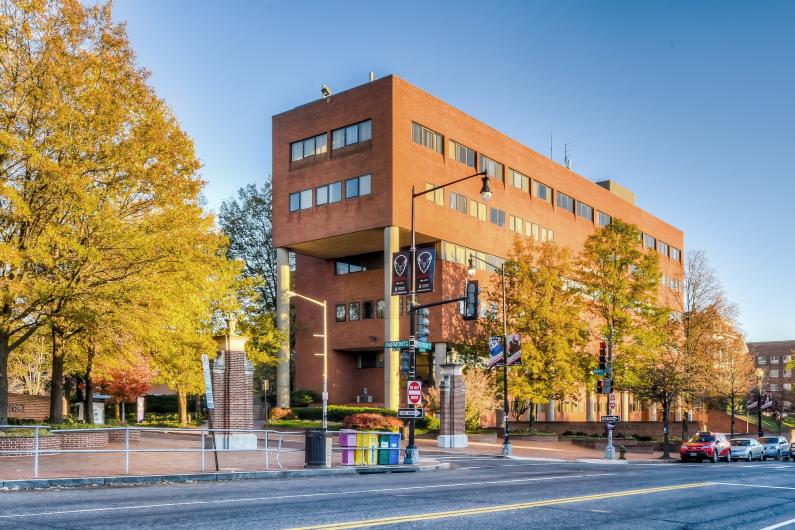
[
  {"x": 423, "y": 324},
  {"x": 599, "y": 386},
  {"x": 405, "y": 362},
  {"x": 471, "y": 302},
  {"x": 603, "y": 357},
  {"x": 604, "y": 386}
]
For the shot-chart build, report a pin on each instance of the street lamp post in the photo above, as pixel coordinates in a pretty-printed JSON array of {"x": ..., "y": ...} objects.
[
  {"x": 325, "y": 351},
  {"x": 760, "y": 374},
  {"x": 506, "y": 440},
  {"x": 412, "y": 454}
]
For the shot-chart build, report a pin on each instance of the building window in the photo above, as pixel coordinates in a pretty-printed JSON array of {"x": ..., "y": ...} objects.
[
  {"x": 774, "y": 387},
  {"x": 339, "y": 312},
  {"x": 497, "y": 217},
  {"x": 676, "y": 254},
  {"x": 436, "y": 196},
  {"x": 357, "y": 186},
  {"x": 565, "y": 202},
  {"x": 458, "y": 202},
  {"x": 547, "y": 235},
  {"x": 354, "y": 311},
  {"x": 300, "y": 200},
  {"x": 329, "y": 193},
  {"x": 380, "y": 309},
  {"x": 352, "y": 134},
  {"x": 477, "y": 209},
  {"x": 308, "y": 147},
  {"x": 584, "y": 211},
  {"x": 760, "y": 361},
  {"x": 604, "y": 219},
  {"x": 520, "y": 181},
  {"x": 788, "y": 387},
  {"x": 492, "y": 168},
  {"x": 542, "y": 191},
  {"x": 774, "y": 373},
  {"x": 774, "y": 359},
  {"x": 649, "y": 241},
  {"x": 662, "y": 248},
  {"x": 370, "y": 359},
  {"x": 424, "y": 136},
  {"x": 531, "y": 230},
  {"x": 368, "y": 310},
  {"x": 516, "y": 224},
  {"x": 462, "y": 153},
  {"x": 788, "y": 373}
]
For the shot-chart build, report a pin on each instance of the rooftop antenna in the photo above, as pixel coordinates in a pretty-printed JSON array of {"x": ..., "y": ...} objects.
[
  {"x": 566, "y": 157},
  {"x": 372, "y": 76},
  {"x": 325, "y": 90}
]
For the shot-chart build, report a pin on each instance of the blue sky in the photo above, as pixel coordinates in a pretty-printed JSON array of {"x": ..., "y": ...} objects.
[{"x": 689, "y": 104}]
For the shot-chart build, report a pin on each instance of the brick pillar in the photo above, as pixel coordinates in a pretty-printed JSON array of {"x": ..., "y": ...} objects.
[
  {"x": 233, "y": 382},
  {"x": 452, "y": 431}
]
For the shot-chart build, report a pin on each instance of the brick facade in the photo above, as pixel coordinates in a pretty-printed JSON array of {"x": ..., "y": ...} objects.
[
  {"x": 84, "y": 439},
  {"x": 233, "y": 382},
  {"x": 452, "y": 397},
  {"x": 21, "y": 444},
  {"x": 26, "y": 407}
]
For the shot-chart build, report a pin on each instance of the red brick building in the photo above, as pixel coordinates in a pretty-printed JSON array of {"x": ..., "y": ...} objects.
[{"x": 343, "y": 170}]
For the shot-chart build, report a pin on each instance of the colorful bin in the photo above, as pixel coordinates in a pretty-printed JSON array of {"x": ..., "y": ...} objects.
[
  {"x": 347, "y": 442},
  {"x": 388, "y": 449},
  {"x": 366, "y": 446}
]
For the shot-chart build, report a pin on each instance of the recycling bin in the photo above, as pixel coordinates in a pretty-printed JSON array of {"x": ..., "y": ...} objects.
[
  {"x": 394, "y": 448},
  {"x": 347, "y": 442},
  {"x": 317, "y": 448},
  {"x": 383, "y": 449},
  {"x": 366, "y": 446}
]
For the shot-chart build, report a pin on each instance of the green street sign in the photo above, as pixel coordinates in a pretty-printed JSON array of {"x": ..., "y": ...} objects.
[
  {"x": 398, "y": 344},
  {"x": 599, "y": 371}
]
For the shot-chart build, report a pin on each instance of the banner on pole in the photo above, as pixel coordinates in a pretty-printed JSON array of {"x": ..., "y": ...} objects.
[
  {"x": 496, "y": 351},
  {"x": 514, "y": 349},
  {"x": 208, "y": 382},
  {"x": 426, "y": 266},
  {"x": 401, "y": 273}
]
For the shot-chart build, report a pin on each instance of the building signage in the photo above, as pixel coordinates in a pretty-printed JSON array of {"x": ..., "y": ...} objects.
[
  {"x": 426, "y": 265},
  {"x": 514, "y": 349},
  {"x": 767, "y": 401},
  {"x": 401, "y": 273},
  {"x": 405, "y": 414},
  {"x": 495, "y": 351},
  {"x": 414, "y": 393},
  {"x": 208, "y": 382}
]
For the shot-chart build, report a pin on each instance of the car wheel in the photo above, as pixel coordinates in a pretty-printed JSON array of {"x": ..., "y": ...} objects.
[
  {"x": 728, "y": 457},
  {"x": 778, "y": 456},
  {"x": 763, "y": 458},
  {"x": 715, "y": 456},
  {"x": 683, "y": 458},
  {"x": 750, "y": 456}
]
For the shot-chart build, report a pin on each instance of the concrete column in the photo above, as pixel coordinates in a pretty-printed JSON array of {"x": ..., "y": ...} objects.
[
  {"x": 283, "y": 323},
  {"x": 678, "y": 411},
  {"x": 551, "y": 410},
  {"x": 624, "y": 406},
  {"x": 391, "y": 322},
  {"x": 652, "y": 411},
  {"x": 590, "y": 406}
]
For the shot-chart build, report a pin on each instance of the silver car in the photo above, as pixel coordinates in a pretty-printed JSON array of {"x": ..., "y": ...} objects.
[
  {"x": 746, "y": 449},
  {"x": 776, "y": 447}
]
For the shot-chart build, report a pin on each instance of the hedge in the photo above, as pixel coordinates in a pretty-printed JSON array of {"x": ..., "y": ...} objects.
[{"x": 338, "y": 413}]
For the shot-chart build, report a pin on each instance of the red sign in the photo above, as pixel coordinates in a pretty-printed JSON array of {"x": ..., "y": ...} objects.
[
  {"x": 414, "y": 393},
  {"x": 612, "y": 401}
]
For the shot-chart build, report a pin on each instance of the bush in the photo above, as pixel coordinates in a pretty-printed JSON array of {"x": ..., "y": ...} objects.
[
  {"x": 277, "y": 413},
  {"x": 339, "y": 412},
  {"x": 24, "y": 433},
  {"x": 303, "y": 398},
  {"x": 372, "y": 422}
]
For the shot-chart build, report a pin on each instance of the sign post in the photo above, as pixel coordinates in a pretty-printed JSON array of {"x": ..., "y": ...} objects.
[
  {"x": 208, "y": 392},
  {"x": 414, "y": 393}
]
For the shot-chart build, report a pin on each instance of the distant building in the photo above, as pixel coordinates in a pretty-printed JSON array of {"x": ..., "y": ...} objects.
[
  {"x": 773, "y": 357},
  {"x": 343, "y": 171}
]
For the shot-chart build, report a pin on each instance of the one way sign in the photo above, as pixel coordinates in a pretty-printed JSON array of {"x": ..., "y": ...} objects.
[{"x": 406, "y": 414}]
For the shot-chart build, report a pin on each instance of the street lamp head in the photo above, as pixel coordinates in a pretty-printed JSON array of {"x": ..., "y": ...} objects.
[
  {"x": 485, "y": 190},
  {"x": 471, "y": 267},
  {"x": 290, "y": 294}
]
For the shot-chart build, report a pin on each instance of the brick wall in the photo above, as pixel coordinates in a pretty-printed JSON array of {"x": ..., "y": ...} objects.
[
  {"x": 118, "y": 436},
  {"x": 21, "y": 444},
  {"x": 24, "y": 406},
  {"x": 85, "y": 439},
  {"x": 232, "y": 392},
  {"x": 640, "y": 428},
  {"x": 451, "y": 413}
]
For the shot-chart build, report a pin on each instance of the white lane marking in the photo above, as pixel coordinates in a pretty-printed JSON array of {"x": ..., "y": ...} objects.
[
  {"x": 472, "y": 467},
  {"x": 298, "y": 496},
  {"x": 755, "y": 486},
  {"x": 778, "y": 525}
]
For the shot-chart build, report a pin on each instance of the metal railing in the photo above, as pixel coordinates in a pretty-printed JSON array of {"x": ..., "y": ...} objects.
[{"x": 274, "y": 443}]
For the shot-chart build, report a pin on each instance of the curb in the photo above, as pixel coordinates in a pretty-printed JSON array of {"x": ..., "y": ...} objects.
[{"x": 123, "y": 480}]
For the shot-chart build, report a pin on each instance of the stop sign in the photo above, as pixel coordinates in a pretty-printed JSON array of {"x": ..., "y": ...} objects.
[
  {"x": 612, "y": 401},
  {"x": 414, "y": 393}
]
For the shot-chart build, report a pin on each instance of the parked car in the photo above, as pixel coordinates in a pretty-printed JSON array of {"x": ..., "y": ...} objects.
[
  {"x": 775, "y": 447},
  {"x": 746, "y": 449},
  {"x": 792, "y": 450},
  {"x": 710, "y": 445}
]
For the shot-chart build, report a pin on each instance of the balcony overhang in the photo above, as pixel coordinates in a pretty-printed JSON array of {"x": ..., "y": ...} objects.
[{"x": 354, "y": 243}]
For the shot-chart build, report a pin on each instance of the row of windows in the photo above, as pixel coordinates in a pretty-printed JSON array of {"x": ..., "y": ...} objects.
[
  {"x": 460, "y": 254},
  {"x": 774, "y": 387},
  {"x": 525, "y": 228},
  {"x": 458, "y": 202},
  {"x": 468, "y": 156},
  {"x": 359, "y": 311},
  {"x": 773, "y": 373},
  {"x": 330, "y": 193},
  {"x": 672, "y": 283},
  {"x": 774, "y": 359},
  {"x": 316, "y": 145},
  {"x": 359, "y": 263}
]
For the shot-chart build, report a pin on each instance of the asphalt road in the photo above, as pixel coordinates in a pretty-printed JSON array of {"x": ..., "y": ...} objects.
[{"x": 478, "y": 492}]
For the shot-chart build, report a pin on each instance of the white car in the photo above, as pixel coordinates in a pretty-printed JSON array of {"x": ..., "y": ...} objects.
[
  {"x": 776, "y": 447},
  {"x": 746, "y": 449}
]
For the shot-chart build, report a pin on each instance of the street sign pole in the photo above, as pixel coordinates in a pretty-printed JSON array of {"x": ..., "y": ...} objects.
[
  {"x": 208, "y": 390},
  {"x": 610, "y": 453}
]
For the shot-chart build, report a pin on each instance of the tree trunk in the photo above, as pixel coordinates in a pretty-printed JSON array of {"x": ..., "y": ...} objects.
[
  {"x": 182, "y": 400},
  {"x": 116, "y": 411},
  {"x": 532, "y": 417},
  {"x": 732, "y": 407},
  {"x": 56, "y": 384},
  {"x": 666, "y": 403},
  {"x": 89, "y": 403},
  {"x": 197, "y": 405},
  {"x": 4, "y": 379}
]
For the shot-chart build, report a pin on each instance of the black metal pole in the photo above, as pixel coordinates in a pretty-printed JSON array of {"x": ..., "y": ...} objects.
[
  {"x": 506, "y": 441},
  {"x": 760, "y": 432},
  {"x": 412, "y": 456}
]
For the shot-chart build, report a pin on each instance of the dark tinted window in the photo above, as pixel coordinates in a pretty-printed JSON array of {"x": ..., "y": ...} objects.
[{"x": 741, "y": 443}]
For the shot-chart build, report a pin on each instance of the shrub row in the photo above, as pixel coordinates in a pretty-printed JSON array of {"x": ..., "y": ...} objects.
[{"x": 339, "y": 412}]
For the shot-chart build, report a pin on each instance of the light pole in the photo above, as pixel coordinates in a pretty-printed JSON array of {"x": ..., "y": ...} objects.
[
  {"x": 325, "y": 351},
  {"x": 760, "y": 374},
  {"x": 506, "y": 440},
  {"x": 412, "y": 454}
]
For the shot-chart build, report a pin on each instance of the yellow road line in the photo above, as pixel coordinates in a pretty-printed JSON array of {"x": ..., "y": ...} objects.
[{"x": 501, "y": 508}]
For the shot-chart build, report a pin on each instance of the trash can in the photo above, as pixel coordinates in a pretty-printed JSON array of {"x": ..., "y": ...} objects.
[
  {"x": 366, "y": 446},
  {"x": 316, "y": 448},
  {"x": 383, "y": 450},
  {"x": 394, "y": 448},
  {"x": 347, "y": 441}
]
